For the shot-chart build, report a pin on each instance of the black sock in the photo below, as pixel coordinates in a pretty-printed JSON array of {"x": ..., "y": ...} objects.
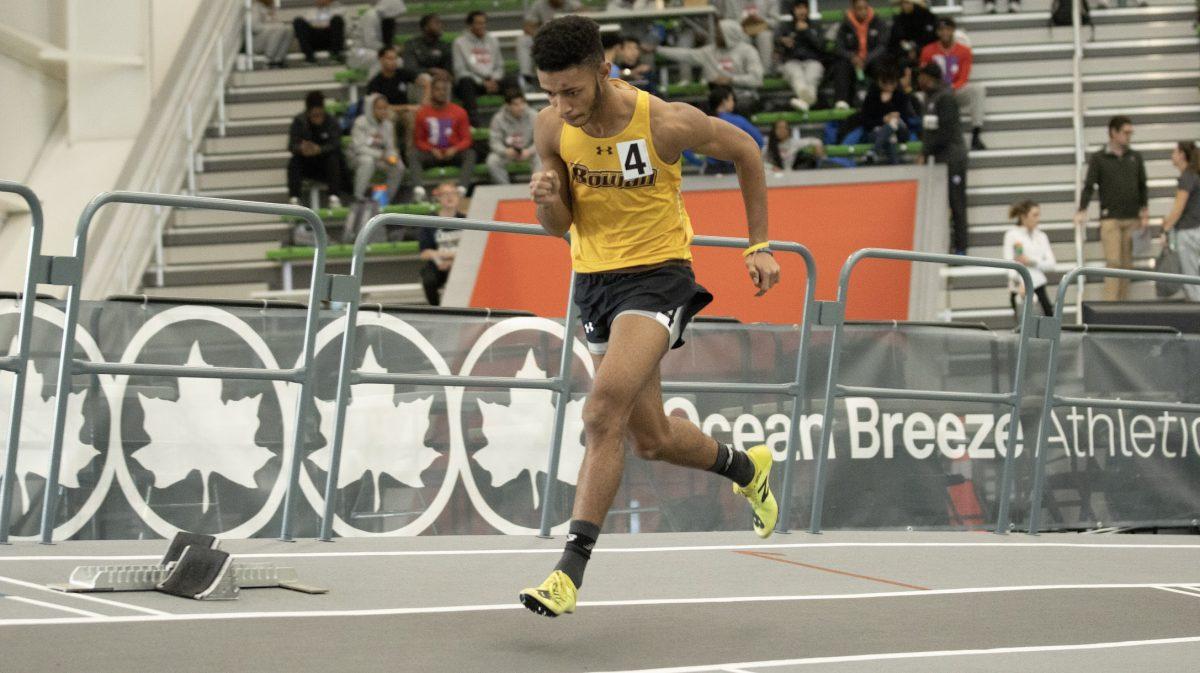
[
  {"x": 735, "y": 465},
  {"x": 581, "y": 537}
]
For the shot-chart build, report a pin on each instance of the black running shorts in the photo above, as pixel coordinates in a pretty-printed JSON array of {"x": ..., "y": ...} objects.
[{"x": 668, "y": 294}]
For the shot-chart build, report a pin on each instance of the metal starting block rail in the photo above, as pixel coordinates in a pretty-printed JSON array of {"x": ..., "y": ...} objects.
[{"x": 198, "y": 571}]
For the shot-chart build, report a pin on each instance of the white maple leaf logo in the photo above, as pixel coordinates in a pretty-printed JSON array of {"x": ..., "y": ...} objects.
[
  {"x": 201, "y": 432},
  {"x": 389, "y": 436},
  {"x": 37, "y": 426},
  {"x": 518, "y": 435}
]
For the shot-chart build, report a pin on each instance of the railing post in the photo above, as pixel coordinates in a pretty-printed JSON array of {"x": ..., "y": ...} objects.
[
  {"x": 249, "y": 35},
  {"x": 189, "y": 134},
  {"x": 21, "y": 365},
  {"x": 1078, "y": 129},
  {"x": 562, "y": 397}
]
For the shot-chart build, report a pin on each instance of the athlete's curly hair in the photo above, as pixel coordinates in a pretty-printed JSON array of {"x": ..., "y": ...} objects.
[{"x": 566, "y": 42}]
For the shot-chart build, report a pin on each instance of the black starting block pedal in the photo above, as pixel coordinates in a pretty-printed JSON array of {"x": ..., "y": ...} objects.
[
  {"x": 201, "y": 573},
  {"x": 184, "y": 540}
]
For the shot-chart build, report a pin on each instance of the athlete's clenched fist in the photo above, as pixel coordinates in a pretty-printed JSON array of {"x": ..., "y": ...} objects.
[{"x": 544, "y": 187}]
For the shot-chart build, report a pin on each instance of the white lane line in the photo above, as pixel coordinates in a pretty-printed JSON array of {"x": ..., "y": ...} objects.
[
  {"x": 1179, "y": 590},
  {"x": 919, "y": 655},
  {"x": 641, "y": 550},
  {"x": 52, "y": 606},
  {"x": 172, "y": 617},
  {"x": 733, "y": 670},
  {"x": 84, "y": 597}
]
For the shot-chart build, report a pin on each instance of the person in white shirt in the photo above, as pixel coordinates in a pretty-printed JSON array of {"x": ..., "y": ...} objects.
[{"x": 1027, "y": 245}]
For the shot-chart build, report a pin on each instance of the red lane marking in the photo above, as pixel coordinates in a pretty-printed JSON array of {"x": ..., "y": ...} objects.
[{"x": 772, "y": 556}]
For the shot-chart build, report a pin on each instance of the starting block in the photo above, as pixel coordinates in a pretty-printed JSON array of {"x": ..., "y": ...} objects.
[{"x": 193, "y": 567}]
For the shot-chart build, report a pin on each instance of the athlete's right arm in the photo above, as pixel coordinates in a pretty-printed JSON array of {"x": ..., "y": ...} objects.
[{"x": 548, "y": 187}]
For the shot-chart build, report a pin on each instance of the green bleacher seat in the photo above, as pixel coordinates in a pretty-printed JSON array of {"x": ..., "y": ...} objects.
[
  {"x": 343, "y": 251},
  {"x": 481, "y": 171},
  {"x": 333, "y": 214},
  {"x": 337, "y": 108},
  {"x": 797, "y": 117},
  {"x": 847, "y": 151},
  {"x": 350, "y": 76}
]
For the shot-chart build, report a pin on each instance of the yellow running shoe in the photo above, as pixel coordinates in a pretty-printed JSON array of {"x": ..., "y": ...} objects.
[
  {"x": 554, "y": 597},
  {"x": 758, "y": 491}
]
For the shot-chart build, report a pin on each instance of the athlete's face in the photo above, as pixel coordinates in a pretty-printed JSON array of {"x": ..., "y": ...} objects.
[{"x": 574, "y": 92}]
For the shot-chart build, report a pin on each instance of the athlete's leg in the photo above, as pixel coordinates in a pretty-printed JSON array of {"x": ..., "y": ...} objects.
[
  {"x": 636, "y": 345},
  {"x": 657, "y": 436}
]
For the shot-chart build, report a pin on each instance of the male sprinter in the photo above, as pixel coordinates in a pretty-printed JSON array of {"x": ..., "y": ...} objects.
[{"x": 611, "y": 158}]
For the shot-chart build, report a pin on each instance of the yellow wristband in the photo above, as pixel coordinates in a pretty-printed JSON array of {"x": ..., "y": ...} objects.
[{"x": 755, "y": 248}]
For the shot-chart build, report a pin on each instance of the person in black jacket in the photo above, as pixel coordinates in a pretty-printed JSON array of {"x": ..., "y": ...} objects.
[
  {"x": 912, "y": 28},
  {"x": 428, "y": 51},
  {"x": 801, "y": 47},
  {"x": 942, "y": 139},
  {"x": 861, "y": 41},
  {"x": 885, "y": 114},
  {"x": 315, "y": 141}
]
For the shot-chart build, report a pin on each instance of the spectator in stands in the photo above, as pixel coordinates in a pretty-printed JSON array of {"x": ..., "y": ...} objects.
[
  {"x": 428, "y": 51},
  {"x": 609, "y": 42},
  {"x": 373, "y": 145},
  {"x": 1120, "y": 173},
  {"x": 540, "y": 13},
  {"x": 787, "y": 151},
  {"x": 315, "y": 141},
  {"x": 885, "y": 114},
  {"x": 478, "y": 64},
  {"x": 860, "y": 42},
  {"x": 389, "y": 11},
  {"x": 322, "y": 27},
  {"x": 366, "y": 38},
  {"x": 912, "y": 28},
  {"x": 722, "y": 101},
  {"x": 942, "y": 139},
  {"x": 271, "y": 38},
  {"x": 954, "y": 58},
  {"x": 759, "y": 19},
  {"x": 801, "y": 44},
  {"x": 1184, "y": 217},
  {"x": 729, "y": 62},
  {"x": 510, "y": 137},
  {"x": 441, "y": 137},
  {"x": 393, "y": 80},
  {"x": 1027, "y": 245},
  {"x": 438, "y": 246},
  {"x": 645, "y": 31},
  {"x": 629, "y": 65}
]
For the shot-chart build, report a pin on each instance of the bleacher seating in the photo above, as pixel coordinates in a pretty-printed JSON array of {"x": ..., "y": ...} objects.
[{"x": 1141, "y": 61}]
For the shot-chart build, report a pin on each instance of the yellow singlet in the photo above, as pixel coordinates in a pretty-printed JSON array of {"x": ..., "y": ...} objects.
[{"x": 628, "y": 210}]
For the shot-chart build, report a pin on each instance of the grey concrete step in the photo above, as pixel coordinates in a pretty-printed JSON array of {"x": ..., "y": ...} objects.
[
  {"x": 275, "y": 232},
  {"x": 1007, "y": 175},
  {"x": 1043, "y": 52},
  {"x": 299, "y": 75},
  {"x": 1038, "y": 102},
  {"x": 254, "y": 251},
  {"x": 206, "y": 218},
  {"x": 1181, "y": 61},
  {"x": 1094, "y": 135},
  {"x": 1094, "y": 117},
  {"x": 246, "y": 161},
  {"x": 1048, "y": 192},
  {"x": 1058, "y": 232},
  {"x": 1043, "y": 33},
  {"x": 996, "y": 214},
  {"x": 1062, "y": 154},
  {"x": 285, "y": 92},
  {"x": 1100, "y": 82},
  {"x": 242, "y": 144}
]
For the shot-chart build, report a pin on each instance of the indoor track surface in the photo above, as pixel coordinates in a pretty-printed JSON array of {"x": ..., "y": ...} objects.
[{"x": 722, "y": 602}]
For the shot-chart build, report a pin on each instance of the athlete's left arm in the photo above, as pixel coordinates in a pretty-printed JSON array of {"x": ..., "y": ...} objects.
[{"x": 687, "y": 127}]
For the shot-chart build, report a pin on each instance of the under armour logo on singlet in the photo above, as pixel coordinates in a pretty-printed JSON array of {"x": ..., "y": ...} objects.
[{"x": 604, "y": 149}]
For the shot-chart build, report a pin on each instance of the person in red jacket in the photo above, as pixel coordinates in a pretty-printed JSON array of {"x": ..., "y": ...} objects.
[
  {"x": 955, "y": 58},
  {"x": 441, "y": 137}
]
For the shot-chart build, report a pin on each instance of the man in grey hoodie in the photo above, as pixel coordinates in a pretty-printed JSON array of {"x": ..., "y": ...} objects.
[
  {"x": 760, "y": 17},
  {"x": 373, "y": 145},
  {"x": 478, "y": 64},
  {"x": 511, "y": 137},
  {"x": 729, "y": 61}
]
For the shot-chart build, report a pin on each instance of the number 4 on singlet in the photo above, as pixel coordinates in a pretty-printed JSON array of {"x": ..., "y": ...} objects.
[{"x": 635, "y": 159}]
